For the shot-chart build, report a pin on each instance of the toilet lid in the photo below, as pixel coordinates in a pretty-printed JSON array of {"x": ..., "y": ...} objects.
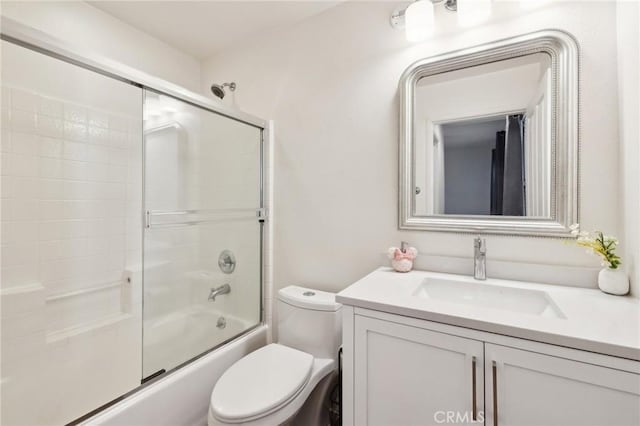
[{"x": 260, "y": 383}]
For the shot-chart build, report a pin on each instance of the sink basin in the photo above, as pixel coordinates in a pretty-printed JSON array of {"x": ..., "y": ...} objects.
[{"x": 524, "y": 301}]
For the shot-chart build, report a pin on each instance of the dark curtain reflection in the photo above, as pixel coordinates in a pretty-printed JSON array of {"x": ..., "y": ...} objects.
[{"x": 507, "y": 170}]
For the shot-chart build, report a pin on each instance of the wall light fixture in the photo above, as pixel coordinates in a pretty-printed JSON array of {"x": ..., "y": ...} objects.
[{"x": 418, "y": 18}]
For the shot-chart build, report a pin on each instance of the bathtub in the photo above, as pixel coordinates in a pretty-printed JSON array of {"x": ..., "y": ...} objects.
[
  {"x": 182, "y": 397},
  {"x": 172, "y": 339}
]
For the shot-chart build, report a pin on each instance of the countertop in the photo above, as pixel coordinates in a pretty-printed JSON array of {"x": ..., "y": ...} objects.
[{"x": 594, "y": 321}]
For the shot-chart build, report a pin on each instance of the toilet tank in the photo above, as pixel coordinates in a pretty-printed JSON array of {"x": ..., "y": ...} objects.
[{"x": 310, "y": 320}]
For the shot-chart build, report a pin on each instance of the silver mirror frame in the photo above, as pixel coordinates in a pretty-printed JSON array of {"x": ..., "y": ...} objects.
[{"x": 564, "y": 52}]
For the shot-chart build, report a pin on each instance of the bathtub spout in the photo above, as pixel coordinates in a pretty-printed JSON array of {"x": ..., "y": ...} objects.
[{"x": 223, "y": 289}]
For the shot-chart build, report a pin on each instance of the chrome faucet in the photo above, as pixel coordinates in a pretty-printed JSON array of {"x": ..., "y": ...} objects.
[
  {"x": 223, "y": 289},
  {"x": 479, "y": 259}
]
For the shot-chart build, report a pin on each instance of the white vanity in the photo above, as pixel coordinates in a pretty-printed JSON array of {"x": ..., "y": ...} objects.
[{"x": 426, "y": 348}]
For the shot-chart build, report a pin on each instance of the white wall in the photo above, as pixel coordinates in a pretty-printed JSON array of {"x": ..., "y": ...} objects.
[
  {"x": 628, "y": 14},
  {"x": 85, "y": 26},
  {"x": 330, "y": 83},
  {"x": 467, "y": 173}
]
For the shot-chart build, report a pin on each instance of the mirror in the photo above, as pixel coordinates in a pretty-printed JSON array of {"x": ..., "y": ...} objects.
[
  {"x": 483, "y": 145},
  {"x": 489, "y": 138}
]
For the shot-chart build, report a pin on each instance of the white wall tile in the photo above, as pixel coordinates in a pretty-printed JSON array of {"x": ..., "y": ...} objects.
[
  {"x": 75, "y": 131},
  {"x": 118, "y": 138},
  {"x": 97, "y": 154},
  {"x": 51, "y": 210},
  {"x": 75, "y": 113},
  {"x": 118, "y": 156},
  {"x": 117, "y": 173},
  {"x": 25, "y": 209},
  {"x": 50, "y": 147},
  {"x": 51, "y": 189},
  {"x": 5, "y": 98},
  {"x": 26, "y": 188},
  {"x": 50, "y": 107},
  {"x": 25, "y": 324},
  {"x": 97, "y": 246},
  {"x": 20, "y": 165},
  {"x": 22, "y": 346},
  {"x": 50, "y": 126},
  {"x": 50, "y": 168},
  {"x": 74, "y": 151},
  {"x": 24, "y": 100},
  {"x": 117, "y": 122},
  {"x": 22, "y": 120},
  {"x": 98, "y": 119},
  {"x": 7, "y": 186},
  {"x": 77, "y": 190},
  {"x": 97, "y": 172},
  {"x": 19, "y": 231},
  {"x": 24, "y": 143},
  {"x": 16, "y": 276},
  {"x": 20, "y": 253},
  {"x": 5, "y": 137},
  {"x": 7, "y": 210},
  {"x": 76, "y": 170},
  {"x": 98, "y": 135}
]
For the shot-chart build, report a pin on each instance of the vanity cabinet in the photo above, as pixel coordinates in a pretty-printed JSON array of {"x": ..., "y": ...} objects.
[
  {"x": 403, "y": 371},
  {"x": 404, "y": 374},
  {"x": 528, "y": 388}
]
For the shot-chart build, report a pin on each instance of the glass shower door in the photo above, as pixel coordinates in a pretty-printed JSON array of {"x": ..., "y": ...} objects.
[
  {"x": 71, "y": 196},
  {"x": 202, "y": 238}
]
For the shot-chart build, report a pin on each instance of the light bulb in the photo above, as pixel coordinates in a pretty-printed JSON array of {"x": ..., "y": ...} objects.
[
  {"x": 419, "y": 20},
  {"x": 471, "y": 12}
]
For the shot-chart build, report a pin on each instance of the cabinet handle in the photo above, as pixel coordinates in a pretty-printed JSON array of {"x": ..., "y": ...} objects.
[
  {"x": 473, "y": 390},
  {"x": 494, "y": 373}
]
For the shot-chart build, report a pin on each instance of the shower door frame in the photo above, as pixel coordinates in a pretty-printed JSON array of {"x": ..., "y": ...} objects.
[{"x": 22, "y": 35}]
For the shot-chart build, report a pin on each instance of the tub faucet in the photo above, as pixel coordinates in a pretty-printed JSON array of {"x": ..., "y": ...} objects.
[
  {"x": 479, "y": 259},
  {"x": 223, "y": 289}
]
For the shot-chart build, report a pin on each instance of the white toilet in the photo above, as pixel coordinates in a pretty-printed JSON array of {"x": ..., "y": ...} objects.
[{"x": 269, "y": 386}]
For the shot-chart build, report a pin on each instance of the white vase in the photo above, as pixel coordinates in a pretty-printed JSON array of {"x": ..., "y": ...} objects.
[{"x": 613, "y": 281}]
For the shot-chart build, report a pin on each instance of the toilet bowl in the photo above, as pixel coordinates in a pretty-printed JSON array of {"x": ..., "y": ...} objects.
[{"x": 271, "y": 385}]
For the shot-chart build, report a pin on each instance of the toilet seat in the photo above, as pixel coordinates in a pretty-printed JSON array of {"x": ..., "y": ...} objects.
[{"x": 260, "y": 383}]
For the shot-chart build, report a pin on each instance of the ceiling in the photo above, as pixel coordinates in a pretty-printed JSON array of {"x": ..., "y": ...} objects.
[{"x": 202, "y": 28}]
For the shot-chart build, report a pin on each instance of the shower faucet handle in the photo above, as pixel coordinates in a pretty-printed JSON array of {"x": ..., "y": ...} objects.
[{"x": 227, "y": 261}]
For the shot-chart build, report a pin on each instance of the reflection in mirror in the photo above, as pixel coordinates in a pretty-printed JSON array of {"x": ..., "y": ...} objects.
[{"x": 483, "y": 140}]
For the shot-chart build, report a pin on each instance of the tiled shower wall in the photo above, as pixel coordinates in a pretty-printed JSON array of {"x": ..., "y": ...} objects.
[{"x": 71, "y": 249}]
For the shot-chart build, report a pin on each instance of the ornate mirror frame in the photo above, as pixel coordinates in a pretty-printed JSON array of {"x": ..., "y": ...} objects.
[{"x": 564, "y": 52}]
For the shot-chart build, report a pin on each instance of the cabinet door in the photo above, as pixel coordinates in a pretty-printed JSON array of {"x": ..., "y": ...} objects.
[
  {"x": 409, "y": 376},
  {"x": 531, "y": 389}
]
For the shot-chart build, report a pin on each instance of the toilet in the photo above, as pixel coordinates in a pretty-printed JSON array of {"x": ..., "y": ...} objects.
[{"x": 288, "y": 381}]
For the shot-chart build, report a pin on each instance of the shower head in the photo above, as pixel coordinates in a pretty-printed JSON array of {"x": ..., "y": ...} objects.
[{"x": 218, "y": 89}]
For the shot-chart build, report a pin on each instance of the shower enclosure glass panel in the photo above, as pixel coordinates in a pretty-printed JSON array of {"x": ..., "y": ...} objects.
[
  {"x": 71, "y": 287},
  {"x": 202, "y": 192}
]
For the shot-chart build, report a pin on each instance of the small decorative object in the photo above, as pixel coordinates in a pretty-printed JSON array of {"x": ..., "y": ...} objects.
[
  {"x": 611, "y": 278},
  {"x": 402, "y": 258}
]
